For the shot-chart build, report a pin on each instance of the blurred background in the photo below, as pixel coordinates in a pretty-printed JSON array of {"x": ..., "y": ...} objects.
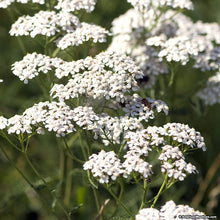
[{"x": 18, "y": 200}]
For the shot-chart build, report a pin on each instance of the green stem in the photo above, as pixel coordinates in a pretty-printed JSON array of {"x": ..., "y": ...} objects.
[
  {"x": 19, "y": 171},
  {"x": 119, "y": 197},
  {"x": 71, "y": 153},
  {"x": 95, "y": 193},
  {"x": 137, "y": 181},
  {"x": 46, "y": 185},
  {"x": 146, "y": 188},
  {"x": 120, "y": 150},
  {"x": 172, "y": 78},
  {"x": 82, "y": 145},
  {"x": 9, "y": 141},
  {"x": 119, "y": 201},
  {"x": 68, "y": 186},
  {"x": 160, "y": 191},
  {"x": 22, "y": 45},
  {"x": 25, "y": 178},
  {"x": 56, "y": 51}
]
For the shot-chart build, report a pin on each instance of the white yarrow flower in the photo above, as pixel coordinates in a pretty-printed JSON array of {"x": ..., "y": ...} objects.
[
  {"x": 171, "y": 211},
  {"x": 44, "y": 23},
  {"x": 105, "y": 166},
  {"x": 211, "y": 93},
  {"x": 148, "y": 214}
]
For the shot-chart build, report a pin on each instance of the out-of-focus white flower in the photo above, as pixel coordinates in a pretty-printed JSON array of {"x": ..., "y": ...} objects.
[
  {"x": 73, "y": 5},
  {"x": 44, "y": 23},
  {"x": 6, "y": 3},
  {"x": 83, "y": 33},
  {"x": 3, "y": 122},
  {"x": 208, "y": 60},
  {"x": 211, "y": 93},
  {"x": 153, "y": 34},
  {"x": 179, "y": 49},
  {"x": 171, "y": 211},
  {"x": 105, "y": 166},
  {"x": 129, "y": 31},
  {"x": 148, "y": 214},
  {"x": 143, "y": 5}
]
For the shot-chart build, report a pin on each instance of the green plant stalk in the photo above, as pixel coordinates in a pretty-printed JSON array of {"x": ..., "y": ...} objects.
[
  {"x": 172, "y": 78},
  {"x": 25, "y": 178},
  {"x": 119, "y": 197},
  {"x": 56, "y": 51},
  {"x": 146, "y": 188},
  {"x": 68, "y": 186},
  {"x": 46, "y": 185},
  {"x": 9, "y": 141},
  {"x": 160, "y": 191},
  {"x": 119, "y": 201},
  {"x": 70, "y": 153},
  {"x": 120, "y": 150},
  {"x": 97, "y": 201},
  {"x": 15, "y": 166},
  {"x": 94, "y": 187},
  {"x": 82, "y": 146}
]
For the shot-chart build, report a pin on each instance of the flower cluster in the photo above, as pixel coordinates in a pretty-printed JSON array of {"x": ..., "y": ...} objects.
[
  {"x": 103, "y": 125},
  {"x": 128, "y": 30},
  {"x": 32, "y": 64},
  {"x": 106, "y": 166},
  {"x": 83, "y": 33},
  {"x": 107, "y": 75},
  {"x": 73, "y": 5},
  {"x": 140, "y": 142},
  {"x": 53, "y": 116},
  {"x": 148, "y": 214},
  {"x": 136, "y": 106},
  {"x": 63, "y": 22},
  {"x": 147, "y": 4},
  {"x": 178, "y": 49},
  {"x": 173, "y": 163},
  {"x": 209, "y": 60},
  {"x": 180, "y": 133},
  {"x": 44, "y": 23},
  {"x": 152, "y": 35},
  {"x": 133, "y": 163},
  {"x": 211, "y": 94},
  {"x": 169, "y": 211},
  {"x": 6, "y": 3},
  {"x": 3, "y": 122}
]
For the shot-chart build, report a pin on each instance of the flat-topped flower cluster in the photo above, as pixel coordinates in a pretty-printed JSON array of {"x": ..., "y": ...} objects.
[
  {"x": 169, "y": 211},
  {"x": 137, "y": 147}
]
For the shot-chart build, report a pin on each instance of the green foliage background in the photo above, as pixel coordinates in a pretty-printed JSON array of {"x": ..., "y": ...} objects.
[{"x": 18, "y": 201}]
